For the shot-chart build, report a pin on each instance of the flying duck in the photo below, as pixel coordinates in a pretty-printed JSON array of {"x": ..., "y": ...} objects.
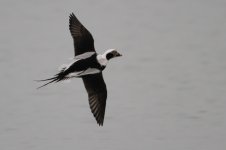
[{"x": 88, "y": 65}]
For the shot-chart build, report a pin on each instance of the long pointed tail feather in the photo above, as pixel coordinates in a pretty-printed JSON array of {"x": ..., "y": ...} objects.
[
  {"x": 58, "y": 77},
  {"x": 55, "y": 79},
  {"x": 46, "y": 79}
]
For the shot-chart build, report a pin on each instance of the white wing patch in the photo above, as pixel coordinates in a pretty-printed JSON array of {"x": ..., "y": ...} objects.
[
  {"x": 90, "y": 71},
  {"x": 102, "y": 59},
  {"x": 74, "y": 74},
  {"x": 84, "y": 55},
  {"x": 85, "y": 72}
]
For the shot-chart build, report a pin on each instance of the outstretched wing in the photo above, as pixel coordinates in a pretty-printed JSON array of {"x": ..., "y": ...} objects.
[
  {"x": 97, "y": 92},
  {"x": 83, "y": 40},
  {"x": 94, "y": 84}
]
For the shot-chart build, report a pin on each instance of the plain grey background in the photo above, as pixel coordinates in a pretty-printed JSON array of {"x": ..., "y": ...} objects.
[{"x": 167, "y": 92}]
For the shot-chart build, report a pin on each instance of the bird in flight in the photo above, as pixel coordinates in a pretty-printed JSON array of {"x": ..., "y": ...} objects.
[{"x": 88, "y": 65}]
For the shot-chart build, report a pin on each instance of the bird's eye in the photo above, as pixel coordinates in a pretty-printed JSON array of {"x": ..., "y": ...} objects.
[{"x": 109, "y": 56}]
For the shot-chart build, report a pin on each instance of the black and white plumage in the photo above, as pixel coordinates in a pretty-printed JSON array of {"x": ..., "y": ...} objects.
[{"x": 88, "y": 65}]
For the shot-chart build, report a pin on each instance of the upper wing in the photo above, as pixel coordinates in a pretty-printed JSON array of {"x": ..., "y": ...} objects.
[
  {"x": 97, "y": 93},
  {"x": 84, "y": 55},
  {"x": 94, "y": 84},
  {"x": 83, "y": 40}
]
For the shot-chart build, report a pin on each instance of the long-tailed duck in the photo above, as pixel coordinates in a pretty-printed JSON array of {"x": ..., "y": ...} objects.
[{"x": 88, "y": 65}]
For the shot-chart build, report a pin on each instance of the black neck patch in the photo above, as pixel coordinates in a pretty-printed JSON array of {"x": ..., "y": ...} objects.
[{"x": 109, "y": 56}]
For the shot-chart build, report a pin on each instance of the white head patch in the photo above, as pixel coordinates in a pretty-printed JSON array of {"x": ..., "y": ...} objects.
[
  {"x": 102, "y": 60},
  {"x": 102, "y": 57}
]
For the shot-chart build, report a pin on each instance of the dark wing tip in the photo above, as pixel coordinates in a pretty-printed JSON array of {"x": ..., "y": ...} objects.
[
  {"x": 83, "y": 40},
  {"x": 73, "y": 19},
  {"x": 97, "y": 105},
  {"x": 72, "y": 15}
]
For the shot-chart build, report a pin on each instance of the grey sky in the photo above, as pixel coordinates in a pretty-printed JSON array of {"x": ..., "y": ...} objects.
[{"x": 167, "y": 91}]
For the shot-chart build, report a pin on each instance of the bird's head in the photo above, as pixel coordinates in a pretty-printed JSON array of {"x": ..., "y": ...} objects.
[{"x": 111, "y": 53}]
